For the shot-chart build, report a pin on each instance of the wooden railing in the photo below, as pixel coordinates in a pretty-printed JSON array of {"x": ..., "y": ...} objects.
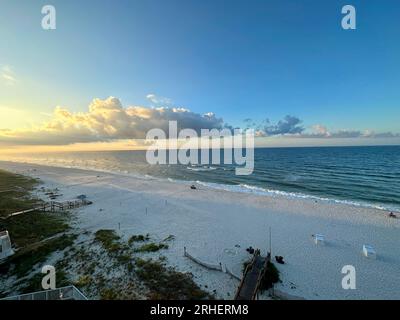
[
  {"x": 54, "y": 206},
  {"x": 252, "y": 277}
]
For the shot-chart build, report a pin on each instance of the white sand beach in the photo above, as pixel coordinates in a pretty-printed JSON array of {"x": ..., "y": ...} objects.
[{"x": 217, "y": 226}]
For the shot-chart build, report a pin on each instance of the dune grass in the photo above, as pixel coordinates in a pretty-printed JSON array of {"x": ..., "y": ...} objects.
[
  {"x": 14, "y": 193},
  {"x": 138, "y": 238},
  {"x": 37, "y": 235},
  {"x": 22, "y": 263},
  {"x": 32, "y": 227},
  {"x": 109, "y": 240},
  {"x": 35, "y": 283},
  {"x": 165, "y": 283},
  {"x": 29, "y": 228},
  {"x": 151, "y": 247},
  {"x": 34, "y": 235}
]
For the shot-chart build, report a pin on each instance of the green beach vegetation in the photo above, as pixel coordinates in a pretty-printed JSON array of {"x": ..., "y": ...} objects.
[
  {"x": 34, "y": 235},
  {"x": 102, "y": 264}
]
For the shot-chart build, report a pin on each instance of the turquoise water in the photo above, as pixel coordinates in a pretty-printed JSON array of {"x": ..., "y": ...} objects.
[{"x": 367, "y": 176}]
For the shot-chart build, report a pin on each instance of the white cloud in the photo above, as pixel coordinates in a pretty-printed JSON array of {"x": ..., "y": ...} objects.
[
  {"x": 159, "y": 101},
  {"x": 107, "y": 120},
  {"x": 7, "y": 75},
  {"x": 321, "y": 130},
  {"x": 290, "y": 126}
]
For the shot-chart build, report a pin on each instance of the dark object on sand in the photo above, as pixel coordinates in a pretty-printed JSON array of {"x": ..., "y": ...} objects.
[
  {"x": 279, "y": 259},
  {"x": 392, "y": 215},
  {"x": 193, "y": 187},
  {"x": 250, "y": 250}
]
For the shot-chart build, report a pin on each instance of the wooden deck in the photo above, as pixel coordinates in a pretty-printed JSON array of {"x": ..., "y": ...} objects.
[
  {"x": 53, "y": 206},
  {"x": 253, "y": 275}
]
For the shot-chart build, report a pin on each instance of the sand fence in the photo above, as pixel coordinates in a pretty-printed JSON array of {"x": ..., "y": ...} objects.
[{"x": 210, "y": 266}]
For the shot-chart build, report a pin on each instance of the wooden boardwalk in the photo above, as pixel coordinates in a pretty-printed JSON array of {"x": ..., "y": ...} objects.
[
  {"x": 53, "y": 206},
  {"x": 253, "y": 275}
]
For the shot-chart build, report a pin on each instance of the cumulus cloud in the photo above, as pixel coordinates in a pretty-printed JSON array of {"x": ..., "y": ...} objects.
[
  {"x": 156, "y": 100},
  {"x": 249, "y": 123},
  {"x": 289, "y": 125},
  {"x": 320, "y": 131},
  {"x": 108, "y": 120}
]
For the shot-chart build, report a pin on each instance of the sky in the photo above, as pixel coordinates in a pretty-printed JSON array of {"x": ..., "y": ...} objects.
[{"x": 112, "y": 70}]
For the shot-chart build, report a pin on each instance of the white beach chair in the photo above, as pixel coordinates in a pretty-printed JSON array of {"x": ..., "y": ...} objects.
[
  {"x": 319, "y": 239},
  {"x": 369, "y": 251}
]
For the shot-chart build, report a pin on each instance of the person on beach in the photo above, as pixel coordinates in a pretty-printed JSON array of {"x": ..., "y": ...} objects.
[{"x": 392, "y": 215}]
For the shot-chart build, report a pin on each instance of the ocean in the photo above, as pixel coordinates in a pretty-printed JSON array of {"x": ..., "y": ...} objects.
[{"x": 361, "y": 176}]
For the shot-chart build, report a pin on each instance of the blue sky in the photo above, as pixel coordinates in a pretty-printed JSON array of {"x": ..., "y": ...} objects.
[{"x": 238, "y": 59}]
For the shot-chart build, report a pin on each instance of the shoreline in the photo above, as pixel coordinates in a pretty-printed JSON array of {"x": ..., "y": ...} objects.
[
  {"x": 236, "y": 188},
  {"x": 213, "y": 223}
]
